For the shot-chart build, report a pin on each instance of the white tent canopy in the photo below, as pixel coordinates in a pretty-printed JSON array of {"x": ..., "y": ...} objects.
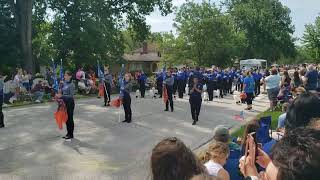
[{"x": 248, "y": 63}]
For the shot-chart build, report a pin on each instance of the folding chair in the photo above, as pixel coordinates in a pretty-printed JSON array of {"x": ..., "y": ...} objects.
[
  {"x": 263, "y": 133},
  {"x": 232, "y": 165}
]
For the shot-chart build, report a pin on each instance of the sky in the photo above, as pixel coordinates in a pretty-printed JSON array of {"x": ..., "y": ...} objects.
[{"x": 302, "y": 12}]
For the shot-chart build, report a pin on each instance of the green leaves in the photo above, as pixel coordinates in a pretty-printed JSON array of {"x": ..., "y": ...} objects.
[
  {"x": 267, "y": 26},
  {"x": 311, "y": 39}
]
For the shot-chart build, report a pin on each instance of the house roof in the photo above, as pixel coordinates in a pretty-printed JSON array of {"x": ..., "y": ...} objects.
[{"x": 150, "y": 57}]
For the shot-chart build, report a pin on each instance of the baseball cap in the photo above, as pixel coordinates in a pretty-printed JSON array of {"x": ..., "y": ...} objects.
[{"x": 221, "y": 132}]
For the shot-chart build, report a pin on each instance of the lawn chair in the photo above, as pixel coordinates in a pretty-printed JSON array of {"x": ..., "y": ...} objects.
[
  {"x": 263, "y": 133},
  {"x": 232, "y": 165}
]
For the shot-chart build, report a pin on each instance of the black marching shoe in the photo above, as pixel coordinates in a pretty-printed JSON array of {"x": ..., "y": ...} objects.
[
  {"x": 194, "y": 122},
  {"x": 2, "y": 126},
  {"x": 68, "y": 138},
  {"x": 125, "y": 121},
  {"x": 166, "y": 110}
]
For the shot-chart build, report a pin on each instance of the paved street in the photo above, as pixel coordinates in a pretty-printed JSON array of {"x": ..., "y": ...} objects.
[{"x": 31, "y": 146}]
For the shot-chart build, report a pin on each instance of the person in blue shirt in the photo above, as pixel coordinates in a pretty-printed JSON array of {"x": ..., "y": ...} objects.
[
  {"x": 175, "y": 85},
  {"x": 142, "y": 78},
  {"x": 220, "y": 75},
  {"x": 257, "y": 77},
  {"x": 311, "y": 78},
  {"x": 195, "y": 99},
  {"x": 180, "y": 82},
  {"x": 159, "y": 83},
  {"x": 126, "y": 99},
  {"x": 210, "y": 85},
  {"x": 249, "y": 86},
  {"x": 66, "y": 93}
]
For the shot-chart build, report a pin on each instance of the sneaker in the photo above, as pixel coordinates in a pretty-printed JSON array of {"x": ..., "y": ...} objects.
[{"x": 68, "y": 139}]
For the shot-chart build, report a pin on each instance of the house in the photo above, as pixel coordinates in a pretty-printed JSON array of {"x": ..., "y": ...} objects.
[{"x": 146, "y": 58}]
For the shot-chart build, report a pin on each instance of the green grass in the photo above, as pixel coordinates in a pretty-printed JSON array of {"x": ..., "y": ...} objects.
[{"x": 275, "y": 115}]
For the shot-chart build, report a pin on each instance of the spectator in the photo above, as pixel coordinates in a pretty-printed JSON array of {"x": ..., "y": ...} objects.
[
  {"x": 1, "y": 99},
  {"x": 217, "y": 154},
  {"x": 251, "y": 127},
  {"x": 304, "y": 108},
  {"x": 295, "y": 157},
  {"x": 285, "y": 80},
  {"x": 221, "y": 134},
  {"x": 282, "y": 117},
  {"x": 311, "y": 79},
  {"x": 204, "y": 177},
  {"x": 249, "y": 87},
  {"x": 38, "y": 91},
  {"x": 296, "y": 82},
  {"x": 25, "y": 79},
  {"x": 172, "y": 160},
  {"x": 272, "y": 85}
]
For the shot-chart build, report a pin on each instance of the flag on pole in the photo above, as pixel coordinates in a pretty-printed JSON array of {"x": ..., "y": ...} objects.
[
  {"x": 164, "y": 88},
  {"x": 101, "y": 77},
  {"x": 55, "y": 79},
  {"x": 117, "y": 102},
  {"x": 100, "y": 73},
  {"x": 61, "y": 71}
]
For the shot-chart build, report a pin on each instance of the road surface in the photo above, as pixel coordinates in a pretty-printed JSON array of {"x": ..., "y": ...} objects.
[{"x": 31, "y": 146}]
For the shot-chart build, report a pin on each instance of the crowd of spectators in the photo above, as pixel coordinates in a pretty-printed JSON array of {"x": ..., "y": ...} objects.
[{"x": 291, "y": 153}]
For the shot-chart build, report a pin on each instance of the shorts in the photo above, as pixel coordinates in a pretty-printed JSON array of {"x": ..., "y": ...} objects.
[{"x": 273, "y": 94}]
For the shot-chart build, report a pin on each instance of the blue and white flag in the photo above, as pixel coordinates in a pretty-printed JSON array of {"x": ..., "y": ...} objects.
[{"x": 121, "y": 81}]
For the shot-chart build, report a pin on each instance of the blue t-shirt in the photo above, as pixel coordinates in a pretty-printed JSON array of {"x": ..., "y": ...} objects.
[
  {"x": 249, "y": 82},
  {"x": 282, "y": 120},
  {"x": 195, "y": 94},
  {"x": 312, "y": 80}
]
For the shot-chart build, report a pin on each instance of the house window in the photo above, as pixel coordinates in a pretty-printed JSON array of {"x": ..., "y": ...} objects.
[{"x": 136, "y": 66}]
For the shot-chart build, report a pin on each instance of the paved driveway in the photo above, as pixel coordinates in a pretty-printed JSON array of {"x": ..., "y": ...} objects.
[{"x": 31, "y": 146}]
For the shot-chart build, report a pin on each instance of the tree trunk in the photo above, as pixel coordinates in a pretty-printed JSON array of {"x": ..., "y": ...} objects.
[{"x": 24, "y": 15}]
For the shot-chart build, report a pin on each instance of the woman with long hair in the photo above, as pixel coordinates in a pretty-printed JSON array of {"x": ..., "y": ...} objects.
[
  {"x": 171, "y": 159},
  {"x": 296, "y": 82},
  {"x": 66, "y": 94}
]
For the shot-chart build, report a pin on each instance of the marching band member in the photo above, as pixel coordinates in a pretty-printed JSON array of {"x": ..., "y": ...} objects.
[
  {"x": 66, "y": 94},
  {"x": 126, "y": 98},
  {"x": 142, "y": 78},
  {"x": 220, "y": 82},
  {"x": 159, "y": 83},
  {"x": 210, "y": 85},
  {"x": 195, "y": 100},
  {"x": 168, "y": 83},
  {"x": 181, "y": 83}
]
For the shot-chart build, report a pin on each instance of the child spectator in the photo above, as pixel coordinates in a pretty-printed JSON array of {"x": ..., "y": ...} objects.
[
  {"x": 172, "y": 160},
  {"x": 217, "y": 154}
]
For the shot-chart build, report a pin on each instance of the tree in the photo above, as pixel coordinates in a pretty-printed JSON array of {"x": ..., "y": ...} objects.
[
  {"x": 22, "y": 12},
  {"x": 311, "y": 39},
  {"x": 267, "y": 26},
  {"x": 207, "y": 34},
  {"x": 9, "y": 48},
  {"x": 84, "y": 31}
]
